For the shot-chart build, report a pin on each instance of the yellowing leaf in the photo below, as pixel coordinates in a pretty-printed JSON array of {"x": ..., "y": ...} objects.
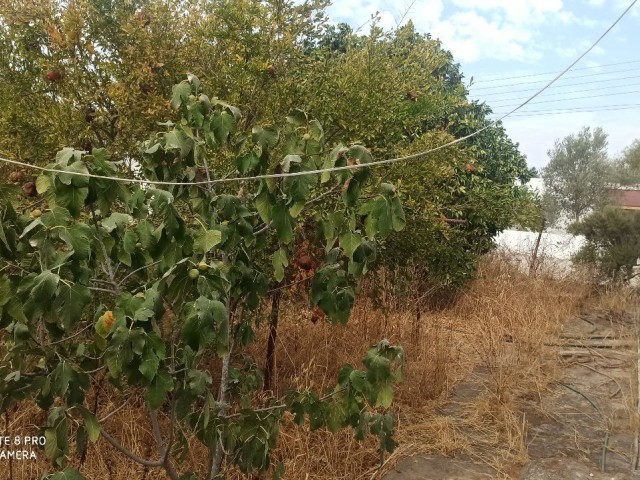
[{"x": 42, "y": 184}]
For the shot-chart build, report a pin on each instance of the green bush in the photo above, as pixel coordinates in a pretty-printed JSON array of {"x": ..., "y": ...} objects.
[{"x": 613, "y": 241}]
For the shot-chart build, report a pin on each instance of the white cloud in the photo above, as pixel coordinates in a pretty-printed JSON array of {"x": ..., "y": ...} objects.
[
  {"x": 471, "y": 37},
  {"x": 519, "y": 12},
  {"x": 520, "y": 33},
  {"x": 503, "y": 30},
  {"x": 566, "y": 52},
  {"x": 569, "y": 18},
  {"x": 356, "y": 12}
]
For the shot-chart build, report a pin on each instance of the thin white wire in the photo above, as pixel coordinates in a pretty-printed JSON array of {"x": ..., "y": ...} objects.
[
  {"x": 490, "y": 96},
  {"x": 590, "y": 75},
  {"x": 500, "y": 78},
  {"x": 568, "y": 99},
  {"x": 597, "y": 108},
  {"x": 407, "y": 158}
]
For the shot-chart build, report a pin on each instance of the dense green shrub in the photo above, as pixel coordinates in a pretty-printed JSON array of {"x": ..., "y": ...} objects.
[{"x": 612, "y": 241}]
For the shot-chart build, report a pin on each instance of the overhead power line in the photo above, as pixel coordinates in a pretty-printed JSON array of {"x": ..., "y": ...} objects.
[
  {"x": 533, "y": 82},
  {"x": 574, "y": 98},
  {"x": 589, "y": 109},
  {"x": 605, "y": 80},
  {"x": 500, "y": 78},
  {"x": 571, "y": 92},
  {"x": 407, "y": 158},
  {"x": 506, "y": 85}
]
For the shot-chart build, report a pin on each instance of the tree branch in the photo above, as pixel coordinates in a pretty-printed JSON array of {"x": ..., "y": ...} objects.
[
  {"x": 163, "y": 449},
  {"x": 114, "y": 443}
]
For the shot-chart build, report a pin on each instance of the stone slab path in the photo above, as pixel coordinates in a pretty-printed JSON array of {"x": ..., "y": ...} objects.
[{"x": 580, "y": 428}]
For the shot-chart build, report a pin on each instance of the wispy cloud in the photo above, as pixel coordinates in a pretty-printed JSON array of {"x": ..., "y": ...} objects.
[
  {"x": 503, "y": 30},
  {"x": 501, "y": 38},
  {"x": 471, "y": 37}
]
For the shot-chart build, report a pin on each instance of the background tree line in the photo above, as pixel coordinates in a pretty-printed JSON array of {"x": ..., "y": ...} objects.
[
  {"x": 163, "y": 289},
  {"x": 580, "y": 181},
  {"x": 96, "y": 74}
]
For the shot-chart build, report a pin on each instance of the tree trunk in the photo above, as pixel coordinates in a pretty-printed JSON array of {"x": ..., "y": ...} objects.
[
  {"x": 273, "y": 335},
  {"x": 218, "y": 456},
  {"x": 534, "y": 257}
]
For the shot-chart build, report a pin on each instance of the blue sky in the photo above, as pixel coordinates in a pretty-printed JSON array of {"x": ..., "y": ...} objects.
[{"x": 495, "y": 40}]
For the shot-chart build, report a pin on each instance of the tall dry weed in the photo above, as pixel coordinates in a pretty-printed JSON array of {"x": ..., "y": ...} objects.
[{"x": 499, "y": 323}]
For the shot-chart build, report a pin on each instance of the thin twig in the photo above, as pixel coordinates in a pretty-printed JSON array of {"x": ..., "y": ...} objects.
[
  {"x": 113, "y": 412},
  {"x": 404, "y": 15},
  {"x": 266, "y": 226},
  {"x": 601, "y": 373},
  {"x": 262, "y": 229},
  {"x": 282, "y": 405},
  {"x": 71, "y": 336},
  {"x": 322, "y": 195},
  {"x": 107, "y": 267},
  {"x": 105, "y": 290},
  {"x": 222, "y": 400},
  {"x": 137, "y": 270},
  {"x": 289, "y": 284},
  {"x": 89, "y": 372},
  {"x": 97, "y": 280}
]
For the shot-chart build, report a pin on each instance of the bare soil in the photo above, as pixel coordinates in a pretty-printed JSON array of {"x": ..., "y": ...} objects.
[{"x": 580, "y": 426}]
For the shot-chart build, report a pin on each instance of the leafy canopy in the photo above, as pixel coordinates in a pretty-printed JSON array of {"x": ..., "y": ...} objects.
[
  {"x": 159, "y": 286},
  {"x": 613, "y": 241},
  {"x": 575, "y": 177}
]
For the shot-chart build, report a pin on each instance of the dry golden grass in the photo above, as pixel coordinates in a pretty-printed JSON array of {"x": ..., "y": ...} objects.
[{"x": 498, "y": 326}]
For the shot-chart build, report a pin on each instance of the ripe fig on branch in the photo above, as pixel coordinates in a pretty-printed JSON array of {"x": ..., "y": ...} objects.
[
  {"x": 144, "y": 18},
  {"x": 30, "y": 189},
  {"x": 306, "y": 262},
  {"x": 53, "y": 75}
]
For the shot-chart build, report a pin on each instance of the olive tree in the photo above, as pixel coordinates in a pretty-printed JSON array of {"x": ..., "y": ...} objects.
[{"x": 575, "y": 177}]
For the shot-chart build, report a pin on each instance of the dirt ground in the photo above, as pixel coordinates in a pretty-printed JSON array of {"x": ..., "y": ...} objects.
[{"x": 581, "y": 426}]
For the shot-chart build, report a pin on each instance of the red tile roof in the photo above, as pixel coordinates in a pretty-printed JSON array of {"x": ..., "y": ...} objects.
[{"x": 626, "y": 198}]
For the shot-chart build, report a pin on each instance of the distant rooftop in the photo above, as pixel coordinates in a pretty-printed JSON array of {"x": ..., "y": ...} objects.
[{"x": 627, "y": 199}]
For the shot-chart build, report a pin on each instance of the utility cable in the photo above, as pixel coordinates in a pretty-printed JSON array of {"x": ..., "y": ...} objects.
[
  {"x": 489, "y": 95},
  {"x": 602, "y": 108},
  {"x": 498, "y": 79},
  {"x": 591, "y": 75},
  {"x": 570, "y": 99},
  {"x": 407, "y": 158}
]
